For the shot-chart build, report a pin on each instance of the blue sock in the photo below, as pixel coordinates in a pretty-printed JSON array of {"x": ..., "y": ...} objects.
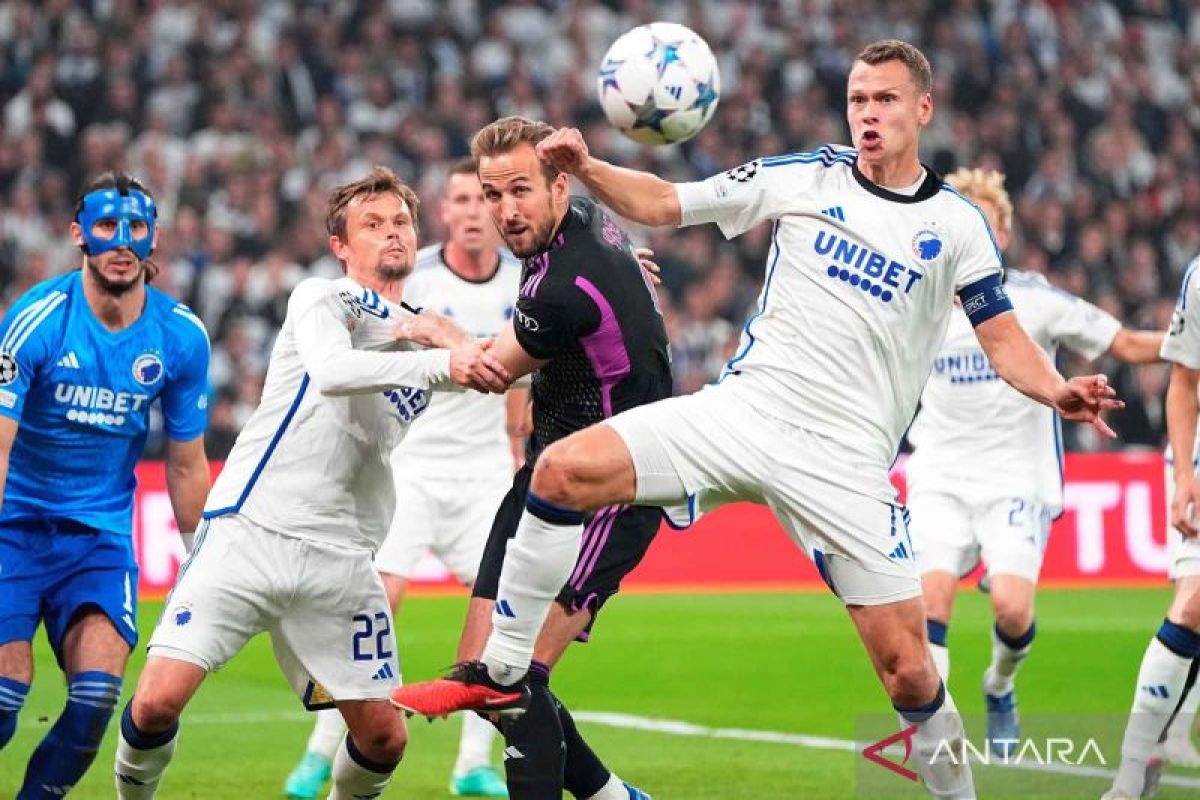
[
  {"x": 1179, "y": 640},
  {"x": 12, "y": 697},
  {"x": 70, "y": 747}
]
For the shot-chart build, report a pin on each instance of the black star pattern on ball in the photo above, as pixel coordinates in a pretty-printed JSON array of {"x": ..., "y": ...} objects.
[{"x": 647, "y": 115}]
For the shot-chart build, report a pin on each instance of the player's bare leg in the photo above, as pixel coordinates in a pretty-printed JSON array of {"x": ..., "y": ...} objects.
[
  {"x": 1012, "y": 638},
  {"x": 94, "y": 655},
  {"x": 938, "y": 588},
  {"x": 1162, "y": 681},
  {"x": 150, "y": 724},
  {"x": 371, "y": 750},
  {"x": 16, "y": 674},
  {"x": 894, "y": 636}
]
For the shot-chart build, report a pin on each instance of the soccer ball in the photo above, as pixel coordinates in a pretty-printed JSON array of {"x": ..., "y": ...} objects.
[{"x": 659, "y": 84}]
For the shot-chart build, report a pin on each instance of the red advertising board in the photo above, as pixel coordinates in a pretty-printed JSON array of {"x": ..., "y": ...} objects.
[{"x": 1112, "y": 531}]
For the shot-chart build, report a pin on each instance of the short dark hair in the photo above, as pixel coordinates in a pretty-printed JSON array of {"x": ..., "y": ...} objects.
[
  {"x": 895, "y": 50},
  {"x": 463, "y": 166},
  {"x": 506, "y": 134},
  {"x": 379, "y": 180}
]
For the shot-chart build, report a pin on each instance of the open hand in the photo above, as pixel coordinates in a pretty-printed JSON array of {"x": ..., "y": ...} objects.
[
  {"x": 1084, "y": 399},
  {"x": 645, "y": 257},
  {"x": 472, "y": 366},
  {"x": 1183, "y": 508}
]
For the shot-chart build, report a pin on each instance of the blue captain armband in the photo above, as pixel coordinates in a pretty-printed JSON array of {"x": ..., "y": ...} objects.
[{"x": 984, "y": 299}]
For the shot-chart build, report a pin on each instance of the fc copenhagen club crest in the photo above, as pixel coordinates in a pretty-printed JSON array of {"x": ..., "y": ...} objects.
[{"x": 147, "y": 369}]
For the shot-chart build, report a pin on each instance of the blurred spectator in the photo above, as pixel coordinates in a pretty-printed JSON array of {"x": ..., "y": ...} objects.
[{"x": 241, "y": 116}]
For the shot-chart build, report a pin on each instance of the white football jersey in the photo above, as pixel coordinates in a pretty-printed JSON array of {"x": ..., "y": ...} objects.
[
  {"x": 981, "y": 440},
  {"x": 312, "y": 461},
  {"x": 1182, "y": 342},
  {"x": 859, "y": 287},
  {"x": 464, "y": 433}
]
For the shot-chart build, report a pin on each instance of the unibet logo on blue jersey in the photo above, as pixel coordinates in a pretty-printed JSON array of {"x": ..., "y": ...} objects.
[{"x": 82, "y": 394}]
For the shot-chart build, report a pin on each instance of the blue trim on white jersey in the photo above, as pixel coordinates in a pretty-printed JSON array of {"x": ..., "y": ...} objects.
[
  {"x": 1058, "y": 454},
  {"x": 824, "y": 155},
  {"x": 1187, "y": 277},
  {"x": 262, "y": 463},
  {"x": 987, "y": 226},
  {"x": 762, "y": 308}
]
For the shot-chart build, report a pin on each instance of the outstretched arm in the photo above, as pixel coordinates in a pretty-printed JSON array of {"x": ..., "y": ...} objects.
[
  {"x": 1137, "y": 347},
  {"x": 1026, "y": 367},
  {"x": 638, "y": 196}
]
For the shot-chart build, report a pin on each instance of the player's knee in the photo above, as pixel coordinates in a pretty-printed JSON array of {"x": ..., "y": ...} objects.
[
  {"x": 557, "y": 477},
  {"x": 1013, "y": 615},
  {"x": 154, "y": 711},
  {"x": 910, "y": 681},
  {"x": 384, "y": 744}
]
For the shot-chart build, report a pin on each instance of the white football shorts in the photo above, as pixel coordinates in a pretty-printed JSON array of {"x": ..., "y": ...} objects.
[
  {"x": 952, "y": 534},
  {"x": 449, "y": 517},
  {"x": 324, "y": 607},
  {"x": 1184, "y": 553},
  {"x": 715, "y": 446}
]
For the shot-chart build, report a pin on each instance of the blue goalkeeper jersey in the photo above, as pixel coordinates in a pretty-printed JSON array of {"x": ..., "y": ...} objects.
[{"x": 82, "y": 395}]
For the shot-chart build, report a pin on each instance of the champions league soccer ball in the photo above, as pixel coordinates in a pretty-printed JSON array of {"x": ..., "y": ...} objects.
[{"x": 658, "y": 83}]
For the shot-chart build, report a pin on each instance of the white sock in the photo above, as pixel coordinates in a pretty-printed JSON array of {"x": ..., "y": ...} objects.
[
  {"x": 137, "y": 770},
  {"x": 539, "y": 561},
  {"x": 941, "y": 659},
  {"x": 475, "y": 744},
  {"x": 613, "y": 790},
  {"x": 946, "y": 778},
  {"x": 355, "y": 777},
  {"x": 1006, "y": 658},
  {"x": 1181, "y": 727},
  {"x": 1159, "y": 683},
  {"x": 327, "y": 733}
]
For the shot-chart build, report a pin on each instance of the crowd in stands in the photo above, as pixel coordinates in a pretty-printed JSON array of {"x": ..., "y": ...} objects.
[{"x": 241, "y": 116}]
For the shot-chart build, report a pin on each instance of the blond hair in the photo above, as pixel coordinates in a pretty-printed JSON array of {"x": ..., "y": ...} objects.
[
  {"x": 895, "y": 50},
  {"x": 380, "y": 180},
  {"x": 507, "y": 134},
  {"x": 984, "y": 185}
]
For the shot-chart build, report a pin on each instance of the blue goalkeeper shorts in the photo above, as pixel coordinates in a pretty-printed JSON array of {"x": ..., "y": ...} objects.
[{"x": 51, "y": 570}]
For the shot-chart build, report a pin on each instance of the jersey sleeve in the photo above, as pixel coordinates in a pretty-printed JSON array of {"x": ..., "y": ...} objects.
[
  {"x": 26, "y": 344},
  {"x": 550, "y": 322},
  {"x": 1082, "y": 327},
  {"x": 736, "y": 200},
  {"x": 185, "y": 395},
  {"x": 978, "y": 255},
  {"x": 1182, "y": 342},
  {"x": 322, "y": 318}
]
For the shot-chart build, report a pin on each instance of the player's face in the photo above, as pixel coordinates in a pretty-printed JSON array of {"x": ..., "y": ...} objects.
[
  {"x": 886, "y": 111},
  {"x": 993, "y": 217},
  {"x": 525, "y": 207},
  {"x": 114, "y": 271},
  {"x": 464, "y": 214},
  {"x": 381, "y": 238}
]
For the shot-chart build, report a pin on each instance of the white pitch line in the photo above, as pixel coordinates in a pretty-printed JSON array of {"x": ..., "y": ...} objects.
[
  {"x": 678, "y": 728},
  {"x": 673, "y": 727}
]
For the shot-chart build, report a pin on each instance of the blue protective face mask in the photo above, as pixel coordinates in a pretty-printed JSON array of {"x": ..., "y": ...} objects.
[{"x": 125, "y": 209}]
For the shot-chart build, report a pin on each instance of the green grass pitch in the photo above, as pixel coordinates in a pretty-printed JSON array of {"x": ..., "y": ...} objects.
[{"x": 786, "y": 663}]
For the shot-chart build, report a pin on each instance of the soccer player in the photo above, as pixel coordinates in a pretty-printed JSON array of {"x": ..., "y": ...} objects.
[
  {"x": 1172, "y": 659},
  {"x": 304, "y": 500},
  {"x": 868, "y": 250},
  {"x": 82, "y": 357},
  {"x": 453, "y": 469},
  {"x": 587, "y": 327},
  {"x": 986, "y": 478}
]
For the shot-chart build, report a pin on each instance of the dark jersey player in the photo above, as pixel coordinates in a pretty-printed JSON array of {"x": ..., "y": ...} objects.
[{"x": 588, "y": 328}]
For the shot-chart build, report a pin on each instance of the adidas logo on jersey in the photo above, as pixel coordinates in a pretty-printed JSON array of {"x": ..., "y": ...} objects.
[
  {"x": 384, "y": 673},
  {"x": 512, "y": 752},
  {"x": 505, "y": 610},
  {"x": 70, "y": 360},
  {"x": 835, "y": 212}
]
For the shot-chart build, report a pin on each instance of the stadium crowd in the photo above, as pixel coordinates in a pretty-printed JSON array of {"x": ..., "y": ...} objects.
[{"x": 241, "y": 115}]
